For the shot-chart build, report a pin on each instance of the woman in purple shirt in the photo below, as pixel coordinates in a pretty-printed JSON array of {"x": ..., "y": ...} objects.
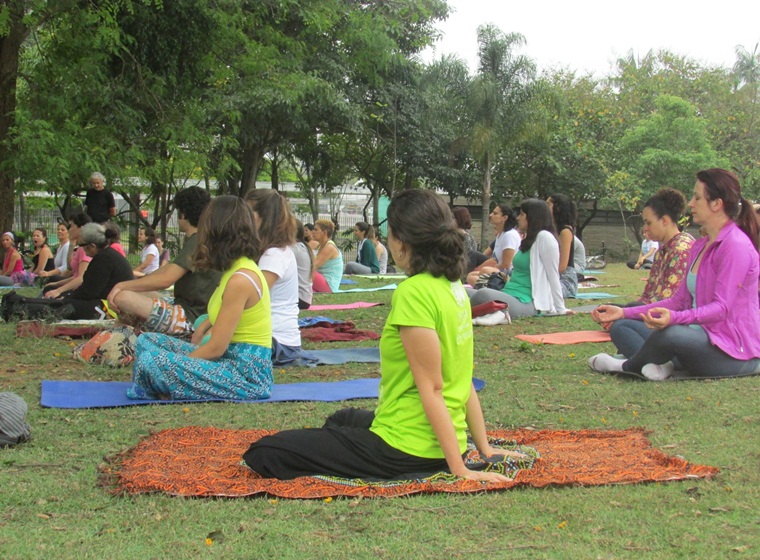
[{"x": 710, "y": 326}]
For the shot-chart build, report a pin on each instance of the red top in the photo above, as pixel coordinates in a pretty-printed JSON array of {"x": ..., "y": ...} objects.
[{"x": 18, "y": 267}]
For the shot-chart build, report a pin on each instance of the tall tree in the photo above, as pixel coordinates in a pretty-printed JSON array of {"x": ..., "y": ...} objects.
[
  {"x": 13, "y": 32},
  {"x": 499, "y": 92},
  {"x": 665, "y": 149},
  {"x": 445, "y": 127}
]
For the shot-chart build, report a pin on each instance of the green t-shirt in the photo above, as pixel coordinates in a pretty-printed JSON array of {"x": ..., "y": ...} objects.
[
  {"x": 433, "y": 303},
  {"x": 194, "y": 289},
  {"x": 519, "y": 284}
]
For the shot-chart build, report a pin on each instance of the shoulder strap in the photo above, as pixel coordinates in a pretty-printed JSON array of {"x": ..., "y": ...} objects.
[{"x": 255, "y": 285}]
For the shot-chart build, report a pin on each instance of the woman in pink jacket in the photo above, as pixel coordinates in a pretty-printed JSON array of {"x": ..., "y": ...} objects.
[{"x": 710, "y": 326}]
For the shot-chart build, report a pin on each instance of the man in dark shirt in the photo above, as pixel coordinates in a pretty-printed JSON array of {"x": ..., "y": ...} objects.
[
  {"x": 99, "y": 202},
  {"x": 192, "y": 290}
]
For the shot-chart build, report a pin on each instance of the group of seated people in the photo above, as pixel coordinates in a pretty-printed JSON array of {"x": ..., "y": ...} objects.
[
  {"x": 240, "y": 253},
  {"x": 83, "y": 246},
  {"x": 536, "y": 249},
  {"x": 371, "y": 254}
]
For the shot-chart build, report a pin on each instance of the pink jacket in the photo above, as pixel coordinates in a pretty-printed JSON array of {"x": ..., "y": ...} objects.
[{"x": 727, "y": 302}]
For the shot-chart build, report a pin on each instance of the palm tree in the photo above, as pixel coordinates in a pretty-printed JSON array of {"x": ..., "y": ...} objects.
[{"x": 500, "y": 88}]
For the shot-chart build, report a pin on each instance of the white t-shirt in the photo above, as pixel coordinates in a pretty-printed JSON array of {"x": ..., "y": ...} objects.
[
  {"x": 382, "y": 260},
  {"x": 303, "y": 260},
  {"x": 150, "y": 250},
  {"x": 646, "y": 246},
  {"x": 284, "y": 294},
  {"x": 61, "y": 257},
  {"x": 506, "y": 240}
]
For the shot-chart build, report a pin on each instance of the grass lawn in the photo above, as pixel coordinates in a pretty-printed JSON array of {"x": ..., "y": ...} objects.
[{"x": 50, "y": 505}]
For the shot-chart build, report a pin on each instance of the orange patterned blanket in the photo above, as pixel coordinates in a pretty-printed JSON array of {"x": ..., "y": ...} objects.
[{"x": 201, "y": 462}]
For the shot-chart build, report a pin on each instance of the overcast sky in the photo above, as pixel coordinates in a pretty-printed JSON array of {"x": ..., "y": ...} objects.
[{"x": 589, "y": 35}]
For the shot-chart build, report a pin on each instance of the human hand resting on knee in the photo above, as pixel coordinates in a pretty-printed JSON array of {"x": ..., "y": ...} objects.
[
  {"x": 607, "y": 313},
  {"x": 656, "y": 318}
]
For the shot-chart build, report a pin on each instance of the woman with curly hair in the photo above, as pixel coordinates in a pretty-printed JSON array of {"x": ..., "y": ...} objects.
[
  {"x": 236, "y": 361},
  {"x": 661, "y": 215},
  {"x": 427, "y": 401},
  {"x": 709, "y": 326}
]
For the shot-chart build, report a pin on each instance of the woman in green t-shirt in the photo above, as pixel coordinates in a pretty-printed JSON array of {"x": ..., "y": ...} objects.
[
  {"x": 427, "y": 401},
  {"x": 534, "y": 286}
]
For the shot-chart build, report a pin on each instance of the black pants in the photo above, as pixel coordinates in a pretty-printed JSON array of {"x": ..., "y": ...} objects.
[
  {"x": 16, "y": 307},
  {"x": 344, "y": 446}
]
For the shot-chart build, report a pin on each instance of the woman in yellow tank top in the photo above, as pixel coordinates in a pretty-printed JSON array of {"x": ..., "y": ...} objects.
[{"x": 236, "y": 361}]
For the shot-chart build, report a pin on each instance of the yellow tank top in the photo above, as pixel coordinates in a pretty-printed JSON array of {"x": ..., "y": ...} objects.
[{"x": 255, "y": 325}]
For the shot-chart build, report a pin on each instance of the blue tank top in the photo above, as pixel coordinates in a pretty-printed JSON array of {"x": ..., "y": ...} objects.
[{"x": 332, "y": 270}]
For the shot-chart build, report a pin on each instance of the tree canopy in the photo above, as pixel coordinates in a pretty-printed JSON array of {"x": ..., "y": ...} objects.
[{"x": 155, "y": 94}]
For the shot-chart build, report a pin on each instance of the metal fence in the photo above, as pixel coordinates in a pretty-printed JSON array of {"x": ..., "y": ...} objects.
[{"x": 48, "y": 218}]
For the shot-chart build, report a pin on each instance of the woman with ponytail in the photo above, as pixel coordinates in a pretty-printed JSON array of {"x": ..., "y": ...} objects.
[
  {"x": 366, "y": 255},
  {"x": 709, "y": 326},
  {"x": 505, "y": 246},
  {"x": 427, "y": 401}
]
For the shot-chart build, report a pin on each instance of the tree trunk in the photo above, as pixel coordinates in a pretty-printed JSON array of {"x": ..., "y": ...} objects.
[
  {"x": 486, "y": 199},
  {"x": 275, "y": 171},
  {"x": 314, "y": 201},
  {"x": 587, "y": 221},
  {"x": 252, "y": 158},
  {"x": 10, "y": 47}
]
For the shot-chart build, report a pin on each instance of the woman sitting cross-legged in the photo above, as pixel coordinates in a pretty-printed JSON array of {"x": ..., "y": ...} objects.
[
  {"x": 427, "y": 401},
  {"x": 276, "y": 228},
  {"x": 506, "y": 244},
  {"x": 366, "y": 254},
  {"x": 12, "y": 261},
  {"x": 106, "y": 269},
  {"x": 709, "y": 326},
  {"x": 236, "y": 362},
  {"x": 534, "y": 286},
  {"x": 329, "y": 259},
  {"x": 661, "y": 215},
  {"x": 150, "y": 259},
  {"x": 565, "y": 215},
  {"x": 61, "y": 258},
  {"x": 77, "y": 263}
]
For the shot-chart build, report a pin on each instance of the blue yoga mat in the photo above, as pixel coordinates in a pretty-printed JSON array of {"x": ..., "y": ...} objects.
[
  {"x": 337, "y": 356},
  {"x": 595, "y": 295},
  {"x": 108, "y": 394},
  {"x": 354, "y": 290}
]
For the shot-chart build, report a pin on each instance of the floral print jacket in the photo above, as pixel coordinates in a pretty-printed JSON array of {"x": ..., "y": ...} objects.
[{"x": 670, "y": 265}]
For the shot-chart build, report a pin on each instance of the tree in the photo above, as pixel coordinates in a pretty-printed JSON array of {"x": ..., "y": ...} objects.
[
  {"x": 568, "y": 150},
  {"x": 664, "y": 149},
  {"x": 497, "y": 97},
  {"x": 13, "y": 32},
  {"x": 445, "y": 124}
]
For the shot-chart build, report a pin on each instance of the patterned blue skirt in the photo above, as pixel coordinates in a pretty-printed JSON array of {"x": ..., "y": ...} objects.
[{"x": 163, "y": 369}]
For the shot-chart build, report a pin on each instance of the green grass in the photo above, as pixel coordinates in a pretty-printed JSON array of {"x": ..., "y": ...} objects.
[{"x": 50, "y": 505}]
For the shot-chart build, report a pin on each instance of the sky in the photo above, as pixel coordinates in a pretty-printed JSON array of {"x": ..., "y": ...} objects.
[{"x": 589, "y": 35}]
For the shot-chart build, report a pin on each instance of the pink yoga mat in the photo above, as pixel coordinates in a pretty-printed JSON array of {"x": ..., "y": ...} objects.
[
  {"x": 339, "y": 306},
  {"x": 575, "y": 337}
]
